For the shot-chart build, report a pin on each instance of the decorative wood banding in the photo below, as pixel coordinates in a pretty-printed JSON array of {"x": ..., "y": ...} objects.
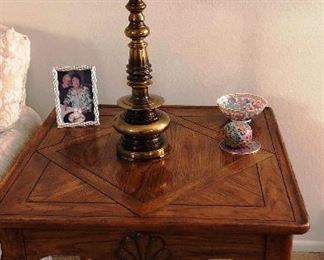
[{"x": 69, "y": 194}]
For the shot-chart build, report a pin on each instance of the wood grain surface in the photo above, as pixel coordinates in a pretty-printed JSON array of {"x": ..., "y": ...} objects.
[{"x": 72, "y": 179}]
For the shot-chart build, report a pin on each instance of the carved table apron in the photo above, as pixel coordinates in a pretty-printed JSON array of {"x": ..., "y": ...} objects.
[{"x": 69, "y": 194}]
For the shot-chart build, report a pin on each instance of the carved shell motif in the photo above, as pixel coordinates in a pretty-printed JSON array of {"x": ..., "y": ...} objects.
[{"x": 143, "y": 246}]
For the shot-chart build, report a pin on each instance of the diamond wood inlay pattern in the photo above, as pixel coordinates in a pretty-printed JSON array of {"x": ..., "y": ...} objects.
[
  {"x": 242, "y": 189},
  {"x": 76, "y": 173},
  {"x": 57, "y": 185},
  {"x": 152, "y": 186},
  {"x": 69, "y": 194},
  {"x": 143, "y": 181}
]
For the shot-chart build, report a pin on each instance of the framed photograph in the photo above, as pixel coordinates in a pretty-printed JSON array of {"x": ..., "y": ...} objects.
[{"x": 76, "y": 96}]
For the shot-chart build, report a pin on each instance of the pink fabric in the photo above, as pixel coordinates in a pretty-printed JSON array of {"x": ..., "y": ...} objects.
[
  {"x": 14, "y": 64},
  {"x": 14, "y": 138}
]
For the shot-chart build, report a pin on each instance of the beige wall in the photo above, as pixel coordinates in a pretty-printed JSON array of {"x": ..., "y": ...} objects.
[
  {"x": 289, "y": 72},
  {"x": 200, "y": 49}
]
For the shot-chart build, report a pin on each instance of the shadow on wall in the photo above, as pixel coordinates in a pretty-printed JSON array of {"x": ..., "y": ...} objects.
[
  {"x": 48, "y": 50},
  {"x": 303, "y": 139}
]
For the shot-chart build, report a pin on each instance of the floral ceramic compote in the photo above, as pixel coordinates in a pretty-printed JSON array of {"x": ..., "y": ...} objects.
[
  {"x": 238, "y": 139},
  {"x": 241, "y": 109}
]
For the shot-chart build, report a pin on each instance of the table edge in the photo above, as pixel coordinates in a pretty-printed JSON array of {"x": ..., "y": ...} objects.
[{"x": 299, "y": 227}]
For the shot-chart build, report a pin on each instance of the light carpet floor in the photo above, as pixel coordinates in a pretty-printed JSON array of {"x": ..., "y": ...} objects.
[{"x": 308, "y": 256}]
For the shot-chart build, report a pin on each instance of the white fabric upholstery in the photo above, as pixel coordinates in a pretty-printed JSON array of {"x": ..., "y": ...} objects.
[
  {"x": 13, "y": 139},
  {"x": 14, "y": 64}
]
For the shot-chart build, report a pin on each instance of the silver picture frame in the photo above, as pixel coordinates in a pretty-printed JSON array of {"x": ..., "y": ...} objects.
[{"x": 61, "y": 110}]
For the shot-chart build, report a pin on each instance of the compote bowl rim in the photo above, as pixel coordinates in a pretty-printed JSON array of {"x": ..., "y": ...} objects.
[{"x": 219, "y": 101}]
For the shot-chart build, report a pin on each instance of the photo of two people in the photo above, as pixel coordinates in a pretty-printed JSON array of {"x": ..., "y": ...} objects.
[{"x": 76, "y": 96}]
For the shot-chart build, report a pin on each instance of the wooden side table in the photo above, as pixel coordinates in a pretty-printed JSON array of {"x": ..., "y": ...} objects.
[{"x": 69, "y": 194}]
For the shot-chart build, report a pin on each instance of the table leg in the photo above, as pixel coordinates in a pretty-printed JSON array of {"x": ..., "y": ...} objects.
[
  {"x": 12, "y": 244},
  {"x": 279, "y": 247}
]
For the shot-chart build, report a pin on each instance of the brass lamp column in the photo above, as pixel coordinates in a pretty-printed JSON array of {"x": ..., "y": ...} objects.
[{"x": 142, "y": 124}]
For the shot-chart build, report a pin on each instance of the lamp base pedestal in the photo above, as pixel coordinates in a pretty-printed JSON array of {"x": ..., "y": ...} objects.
[
  {"x": 142, "y": 141},
  {"x": 142, "y": 155},
  {"x": 142, "y": 124}
]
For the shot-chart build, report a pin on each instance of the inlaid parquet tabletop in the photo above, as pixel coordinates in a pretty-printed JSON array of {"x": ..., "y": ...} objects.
[{"x": 72, "y": 176}]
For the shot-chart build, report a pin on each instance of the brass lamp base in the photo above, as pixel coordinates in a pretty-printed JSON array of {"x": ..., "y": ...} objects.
[
  {"x": 138, "y": 155},
  {"x": 142, "y": 141},
  {"x": 142, "y": 124},
  {"x": 141, "y": 130}
]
